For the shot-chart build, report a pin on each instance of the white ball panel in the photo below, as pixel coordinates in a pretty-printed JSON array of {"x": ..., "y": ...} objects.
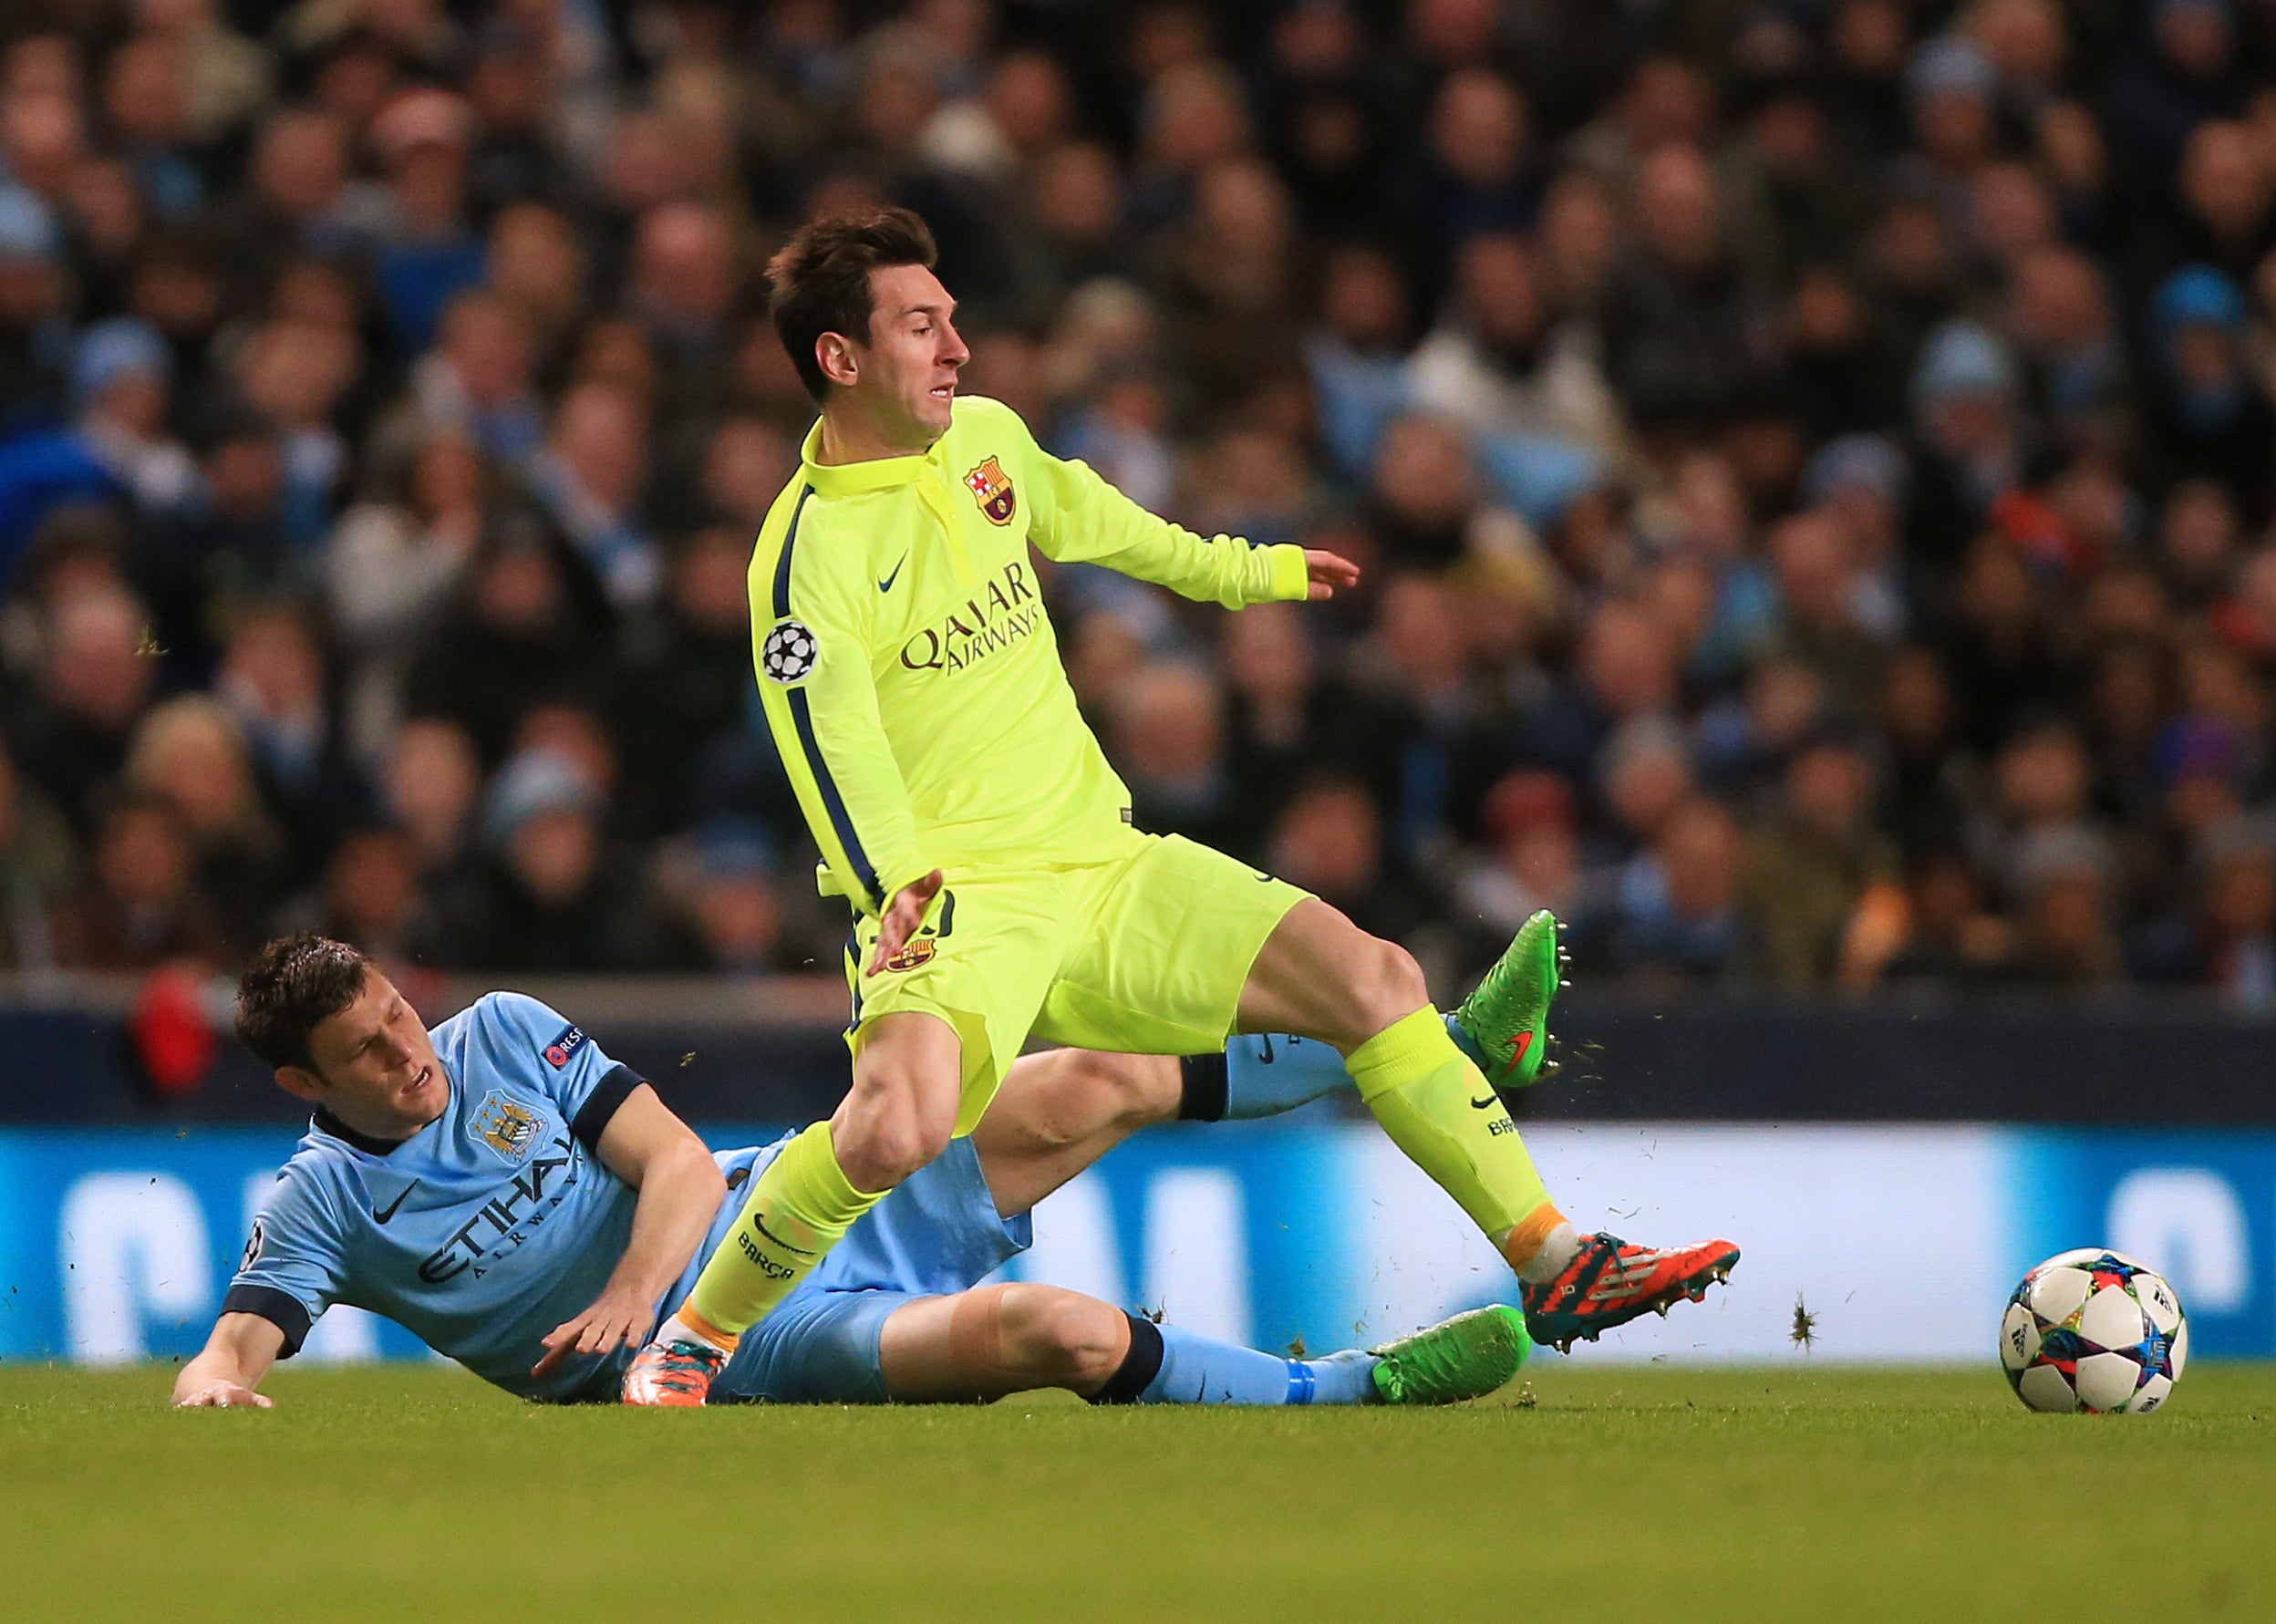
[
  {"x": 2128, "y": 1259},
  {"x": 2019, "y": 1338},
  {"x": 2058, "y": 1293},
  {"x": 2180, "y": 1354},
  {"x": 2151, "y": 1395},
  {"x": 2106, "y": 1380},
  {"x": 2111, "y": 1318},
  {"x": 2158, "y": 1300},
  {"x": 2046, "y": 1388}
]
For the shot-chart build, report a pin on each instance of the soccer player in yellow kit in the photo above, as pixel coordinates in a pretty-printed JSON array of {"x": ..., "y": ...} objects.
[{"x": 912, "y": 684}]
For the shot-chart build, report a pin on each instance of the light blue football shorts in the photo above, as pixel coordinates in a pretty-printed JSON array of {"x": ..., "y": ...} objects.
[{"x": 937, "y": 1233}]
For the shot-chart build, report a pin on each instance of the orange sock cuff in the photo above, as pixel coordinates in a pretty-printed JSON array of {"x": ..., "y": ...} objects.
[
  {"x": 1525, "y": 1237},
  {"x": 724, "y": 1339},
  {"x": 1405, "y": 1051}
]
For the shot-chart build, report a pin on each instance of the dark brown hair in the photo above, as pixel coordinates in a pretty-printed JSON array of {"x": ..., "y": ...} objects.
[
  {"x": 819, "y": 283},
  {"x": 293, "y": 984}
]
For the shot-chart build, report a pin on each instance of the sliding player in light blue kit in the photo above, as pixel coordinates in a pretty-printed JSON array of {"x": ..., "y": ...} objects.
[{"x": 529, "y": 1207}]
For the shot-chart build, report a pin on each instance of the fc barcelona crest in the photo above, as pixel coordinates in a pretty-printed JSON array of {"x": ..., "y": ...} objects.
[
  {"x": 992, "y": 489},
  {"x": 918, "y": 950}
]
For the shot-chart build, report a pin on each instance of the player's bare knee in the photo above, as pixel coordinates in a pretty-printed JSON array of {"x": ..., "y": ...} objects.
[
  {"x": 893, "y": 1146},
  {"x": 882, "y": 1133},
  {"x": 1062, "y": 1336}
]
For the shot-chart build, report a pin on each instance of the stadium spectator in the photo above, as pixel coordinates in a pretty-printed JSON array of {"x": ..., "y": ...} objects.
[
  {"x": 538, "y": 897},
  {"x": 37, "y": 859},
  {"x": 139, "y": 906},
  {"x": 70, "y": 736},
  {"x": 1884, "y": 415}
]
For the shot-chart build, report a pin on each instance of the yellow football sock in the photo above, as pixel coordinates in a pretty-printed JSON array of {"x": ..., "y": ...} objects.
[
  {"x": 1439, "y": 1108},
  {"x": 798, "y": 1208}
]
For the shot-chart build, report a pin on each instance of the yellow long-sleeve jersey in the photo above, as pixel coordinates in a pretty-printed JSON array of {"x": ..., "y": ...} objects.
[{"x": 909, "y": 671}]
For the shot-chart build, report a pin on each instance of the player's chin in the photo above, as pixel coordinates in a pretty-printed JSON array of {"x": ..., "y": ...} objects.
[{"x": 937, "y": 406}]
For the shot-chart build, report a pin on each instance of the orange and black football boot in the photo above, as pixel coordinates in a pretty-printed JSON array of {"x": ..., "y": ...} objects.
[
  {"x": 674, "y": 1375},
  {"x": 1609, "y": 1282}
]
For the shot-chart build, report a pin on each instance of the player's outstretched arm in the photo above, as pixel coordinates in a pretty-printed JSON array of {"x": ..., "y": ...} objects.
[
  {"x": 227, "y": 1373},
  {"x": 681, "y": 1187},
  {"x": 1075, "y": 516}
]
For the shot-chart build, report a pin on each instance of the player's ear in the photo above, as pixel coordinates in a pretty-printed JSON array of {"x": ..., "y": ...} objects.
[
  {"x": 300, "y": 1082},
  {"x": 833, "y": 352}
]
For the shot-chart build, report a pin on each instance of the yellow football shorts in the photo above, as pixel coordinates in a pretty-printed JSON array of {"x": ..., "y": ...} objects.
[{"x": 1142, "y": 954}]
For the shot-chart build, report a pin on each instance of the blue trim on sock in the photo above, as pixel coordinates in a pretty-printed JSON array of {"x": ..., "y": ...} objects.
[{"x": 1301, "y": 1382}]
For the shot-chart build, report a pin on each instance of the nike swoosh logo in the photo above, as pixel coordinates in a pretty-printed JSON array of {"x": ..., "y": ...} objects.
[
  {"x": 1486, "y": 1105},
  {"x": 378, "y": 1216},
  {"x": 760, "y": 1227},
  {"x": 887, "y": 584}
]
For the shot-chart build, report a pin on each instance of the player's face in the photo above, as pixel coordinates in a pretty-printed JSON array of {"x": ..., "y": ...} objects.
[
  {"x": 908, "y": 368},
  {"x": 375, "y": 1069}
]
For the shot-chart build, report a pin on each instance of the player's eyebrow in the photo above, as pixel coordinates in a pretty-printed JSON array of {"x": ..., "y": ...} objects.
[{"x": 947, "y": 309}]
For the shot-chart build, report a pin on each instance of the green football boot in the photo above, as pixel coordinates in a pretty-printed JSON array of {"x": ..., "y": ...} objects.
[
  {"x": 1466, "y": 1356},
  {"x": 1503, "y": 1024}
]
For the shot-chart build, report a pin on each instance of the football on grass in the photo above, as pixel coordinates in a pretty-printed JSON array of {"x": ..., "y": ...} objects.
[{"x": 2094, "y": 1329}]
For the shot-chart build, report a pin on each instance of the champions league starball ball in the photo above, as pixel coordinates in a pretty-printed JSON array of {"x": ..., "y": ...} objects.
[{"x": 2094, "y": 1329}]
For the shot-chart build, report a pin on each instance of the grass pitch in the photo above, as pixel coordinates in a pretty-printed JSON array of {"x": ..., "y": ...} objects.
[{"x": 1611, "y": 1492}]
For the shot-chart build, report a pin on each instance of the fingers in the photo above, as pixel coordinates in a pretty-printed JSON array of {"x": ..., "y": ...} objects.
[
  {"x": 592, "y": 1331},
  {"x": 557, "y": 1344},
  {"x": 902, "y": 917}
]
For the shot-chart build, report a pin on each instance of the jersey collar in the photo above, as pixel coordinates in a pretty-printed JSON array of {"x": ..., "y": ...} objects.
[
  {"x": 365, "y": 1143},
  {"x": 851, "y": 479}
]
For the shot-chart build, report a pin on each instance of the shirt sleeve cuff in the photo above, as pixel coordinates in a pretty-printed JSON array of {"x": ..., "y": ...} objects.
[
  {"x": 602, "y": 1104},
  {"x": 892, "y": 886},
  {"x": 280, "y": 1308},
  {"x": 1290, "y": 580}
]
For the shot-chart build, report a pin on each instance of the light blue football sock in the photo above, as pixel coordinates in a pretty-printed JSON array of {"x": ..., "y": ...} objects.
[
  {"x": 1272, "y": 1073},
  {"x": 1202, "y": 1370}
]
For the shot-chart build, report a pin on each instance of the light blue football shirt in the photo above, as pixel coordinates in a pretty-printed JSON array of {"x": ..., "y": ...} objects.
[{"x": 485, "y": 1229}]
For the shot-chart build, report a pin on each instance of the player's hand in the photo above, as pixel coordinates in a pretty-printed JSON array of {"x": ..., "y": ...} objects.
[
  {"x": 1328, "y": 571},
  {"x": 902, "y": 917},
  {"x": 619, "y": 1318},
  {"x": 224, "y": 1395}
]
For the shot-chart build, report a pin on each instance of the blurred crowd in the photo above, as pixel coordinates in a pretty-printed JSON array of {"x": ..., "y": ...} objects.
[{"x": 1814, "y": 462}]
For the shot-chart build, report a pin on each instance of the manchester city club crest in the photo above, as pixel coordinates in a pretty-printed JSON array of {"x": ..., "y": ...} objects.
[
  {"x": 506, "y": 1125},
  {"x": 991, "y": 487}
]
